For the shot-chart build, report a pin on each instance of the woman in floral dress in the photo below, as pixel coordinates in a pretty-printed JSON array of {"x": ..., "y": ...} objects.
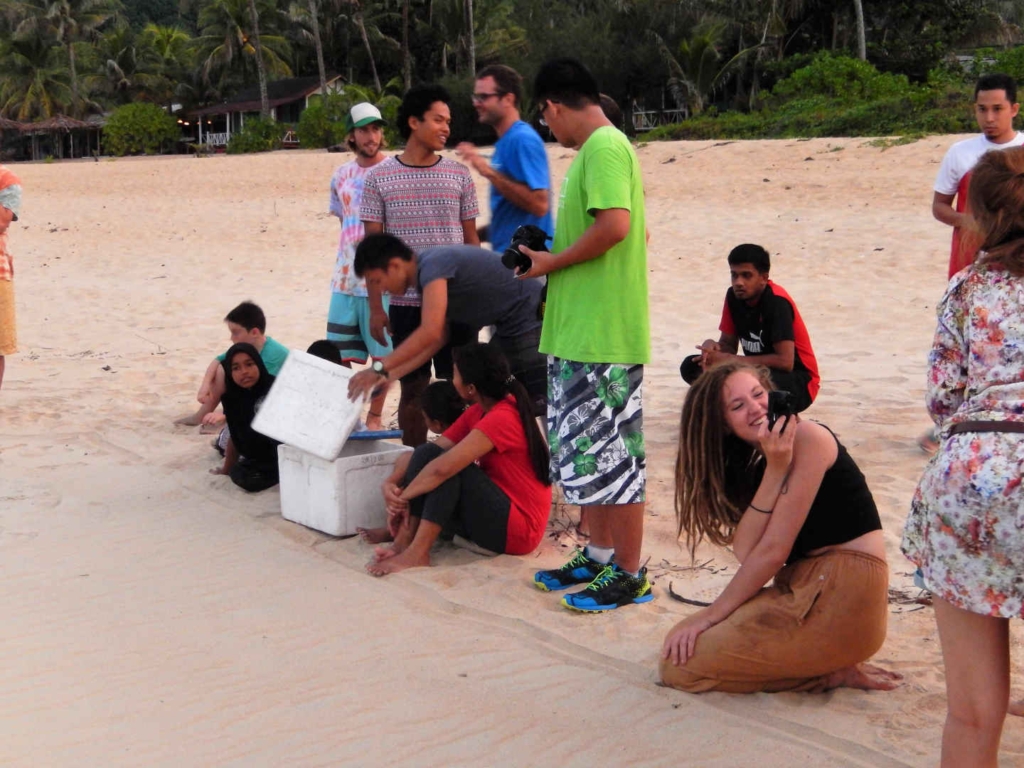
[{"x": 966, "y": 526}]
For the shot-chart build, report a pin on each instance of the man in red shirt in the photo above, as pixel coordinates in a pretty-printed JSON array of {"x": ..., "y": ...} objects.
[{"x": 762, "y": 318}]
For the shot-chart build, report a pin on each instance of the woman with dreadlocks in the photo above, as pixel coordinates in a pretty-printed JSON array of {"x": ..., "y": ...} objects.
[{"x": 798, "y": 513}]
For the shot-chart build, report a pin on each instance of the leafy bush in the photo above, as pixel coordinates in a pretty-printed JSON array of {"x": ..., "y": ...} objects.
[
  {"x": 322, "y": 123},
  {"x": 838, "y": 96},
  {"x": 137, "y": 128},
  {"x": 257, "y": 135}
]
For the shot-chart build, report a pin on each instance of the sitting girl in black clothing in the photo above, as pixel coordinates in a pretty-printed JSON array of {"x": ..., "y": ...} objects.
[
  {"x": 250, "y": 459},
  {"x": 441, "y": 406}
]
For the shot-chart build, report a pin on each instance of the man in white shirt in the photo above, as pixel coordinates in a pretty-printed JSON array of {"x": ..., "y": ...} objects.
[{"x": 995, "y": 106}]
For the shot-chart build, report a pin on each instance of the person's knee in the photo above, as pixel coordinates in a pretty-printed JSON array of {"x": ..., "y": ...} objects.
[
  {"x": 690, "y": 368},
  {"x": 421, "y": 456},
  {"x": 683, "y": 679}
]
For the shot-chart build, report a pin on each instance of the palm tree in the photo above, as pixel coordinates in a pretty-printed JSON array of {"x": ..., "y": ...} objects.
[
  {"x": 226, "y": 45},
  {"x": 697, "y": 72},
  {"x": 862, "y": 45},
  {"x": 359, "y": 21},
  {"x": 70, "y": 21},
  {"x": 261, "y": 72},
  {"x": 34, "y": 81},
  {"x": 166, "y": 55},
  {"x": 306, "y": 18}
]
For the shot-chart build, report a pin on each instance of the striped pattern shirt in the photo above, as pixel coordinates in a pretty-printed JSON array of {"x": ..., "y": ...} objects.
[{"x": 422, "y": 206}]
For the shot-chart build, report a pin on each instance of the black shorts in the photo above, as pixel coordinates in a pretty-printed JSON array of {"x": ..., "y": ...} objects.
[{"x": 405, "y": 320}]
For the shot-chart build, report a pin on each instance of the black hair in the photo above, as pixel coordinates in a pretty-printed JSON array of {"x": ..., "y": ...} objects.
[
  {"x": 997, "y": 81},
  {"x": 748, "y": 253},
  {"x": 416, "y": 103},
  {"x": 441, "y": 402},
  {"x": 611, "y": 110},
  {"x": 377, "y": 251},
  {"x": 247, "y": 315},
  {"x": 506, "y": 78},
  {"x": 566, "y": 81},
  {"x": 485, "y": 367},
  {"x": 325, "y": 350}
]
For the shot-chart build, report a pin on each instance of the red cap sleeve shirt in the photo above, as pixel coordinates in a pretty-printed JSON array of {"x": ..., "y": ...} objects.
[{"x": 509, "y": 467}]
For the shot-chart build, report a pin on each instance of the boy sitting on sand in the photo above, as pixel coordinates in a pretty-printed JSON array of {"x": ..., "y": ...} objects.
[
  {"x": 247, "y": 324},
  {"x": 762, "y": 318}
]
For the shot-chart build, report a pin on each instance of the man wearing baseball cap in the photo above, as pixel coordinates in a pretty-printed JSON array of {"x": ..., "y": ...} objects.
[{"x": 348, "y": 319}]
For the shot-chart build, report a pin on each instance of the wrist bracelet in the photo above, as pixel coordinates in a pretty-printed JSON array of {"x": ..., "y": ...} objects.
[{"x": 762, "y": 511}]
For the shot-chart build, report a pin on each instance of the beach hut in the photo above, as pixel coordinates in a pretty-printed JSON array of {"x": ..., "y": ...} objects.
[
  {"x": 214, "y": 125},
  {"x": 61, "y": 136}
]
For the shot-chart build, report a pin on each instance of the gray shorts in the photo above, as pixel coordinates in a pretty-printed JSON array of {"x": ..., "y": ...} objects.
[{"x": 595, "y": 431}]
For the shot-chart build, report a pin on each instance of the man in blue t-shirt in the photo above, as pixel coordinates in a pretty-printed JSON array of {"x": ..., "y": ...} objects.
[{"x": 518, "y": 171}]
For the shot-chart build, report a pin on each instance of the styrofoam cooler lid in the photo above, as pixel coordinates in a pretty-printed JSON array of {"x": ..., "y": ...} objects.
[{"x": 308, "y": 407}]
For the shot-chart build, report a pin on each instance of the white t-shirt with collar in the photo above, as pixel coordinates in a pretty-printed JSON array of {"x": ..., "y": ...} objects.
[{"x": 963, "y": 156}]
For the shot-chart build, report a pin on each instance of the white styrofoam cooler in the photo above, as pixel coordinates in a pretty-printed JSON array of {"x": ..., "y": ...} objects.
[{"x": 337, "y": 496}]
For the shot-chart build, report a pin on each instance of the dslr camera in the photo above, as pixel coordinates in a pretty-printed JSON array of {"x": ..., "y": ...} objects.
[
  {"x": 533, "y": 238},
  {"x": 780, "y": 405}
]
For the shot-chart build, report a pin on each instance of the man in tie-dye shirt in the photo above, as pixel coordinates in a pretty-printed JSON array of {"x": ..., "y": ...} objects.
[
  {"x": 348, "y": 319},
  {"x": 10, "y": 205}
]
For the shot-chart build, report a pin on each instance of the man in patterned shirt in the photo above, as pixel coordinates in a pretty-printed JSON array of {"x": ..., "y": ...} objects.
[
  {"x": 424, "y": 200},
  {"x": 10, "y": 204},
  {"x": 348, "y": 319}
]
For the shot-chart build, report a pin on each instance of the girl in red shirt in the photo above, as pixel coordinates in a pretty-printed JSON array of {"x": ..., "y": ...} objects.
[{"x": 486, "y": 478}]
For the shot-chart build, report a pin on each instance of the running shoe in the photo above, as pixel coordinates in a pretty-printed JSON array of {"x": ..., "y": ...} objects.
[
  {"x": 579, "y": 570},
  {"x": 612, "y": 589}
]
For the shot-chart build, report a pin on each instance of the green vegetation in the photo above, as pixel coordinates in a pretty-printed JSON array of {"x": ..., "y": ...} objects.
[
  {"x": 738, "y": 68},
  {"x": 258, "y": 135},
  {"x": 839, "y": 96},
  {"x": 139, "y": 128}
]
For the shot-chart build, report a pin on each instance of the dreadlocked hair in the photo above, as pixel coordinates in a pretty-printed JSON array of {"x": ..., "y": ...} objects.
[
  {"x": 996, "y": 197},
  {"x": 717, "y": 474}
]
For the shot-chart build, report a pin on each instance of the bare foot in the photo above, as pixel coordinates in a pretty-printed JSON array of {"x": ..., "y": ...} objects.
[
  {"x": 383, "y": 553},
  {"x": 398, "y": 562},
  {"x": 864, "y": 677},
  {"x": 192, "y": 420},
  {"x": 373, "y": 423},
  {"x": 1016, "y": 708},
  {"x": 375, "y": 535}
]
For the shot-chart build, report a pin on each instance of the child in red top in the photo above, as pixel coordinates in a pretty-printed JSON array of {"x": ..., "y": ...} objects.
[{"x": 486, "y": 478}]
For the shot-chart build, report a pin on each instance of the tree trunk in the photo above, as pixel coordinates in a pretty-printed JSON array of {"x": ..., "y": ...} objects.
[
  {"x": 74, "y": 73},
  {"x": 862, "y": 48},
  {"x": 406, "y": 54},
  {"x": 261, "y": 72},
  {"x": 319, "y": 46},
  {"x": 357, "y": 17},
  {"x": 470, "y": 38}
]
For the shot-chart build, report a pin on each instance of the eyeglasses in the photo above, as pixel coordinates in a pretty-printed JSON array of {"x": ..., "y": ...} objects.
[{"x": 480, "y": 98}]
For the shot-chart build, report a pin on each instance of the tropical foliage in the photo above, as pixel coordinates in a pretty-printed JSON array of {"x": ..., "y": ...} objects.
[
  {"x": 715, "y": 60},
  {"x": 139, "y": 128}
]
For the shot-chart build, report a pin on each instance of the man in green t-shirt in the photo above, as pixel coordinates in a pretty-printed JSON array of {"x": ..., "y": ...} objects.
[{"x": 597, "y": 337}]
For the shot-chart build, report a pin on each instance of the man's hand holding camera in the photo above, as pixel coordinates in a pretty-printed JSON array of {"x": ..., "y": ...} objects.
[{"x": 541, "y": 263}]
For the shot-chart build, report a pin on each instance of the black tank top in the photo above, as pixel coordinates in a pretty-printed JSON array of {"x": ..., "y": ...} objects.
[{"x": 842, "y": 510}]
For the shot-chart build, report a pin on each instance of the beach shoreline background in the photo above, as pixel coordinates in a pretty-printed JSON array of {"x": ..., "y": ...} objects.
[{"x": 157, "y": 614}]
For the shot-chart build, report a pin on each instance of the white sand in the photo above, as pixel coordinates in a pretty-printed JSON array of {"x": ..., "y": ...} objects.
[{"x": 154, "y": 614}]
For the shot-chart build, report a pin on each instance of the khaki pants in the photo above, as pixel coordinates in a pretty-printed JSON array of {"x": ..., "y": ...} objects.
[
  {"x": 820, "y": 615},
  {"x": 8, "y": 331}
]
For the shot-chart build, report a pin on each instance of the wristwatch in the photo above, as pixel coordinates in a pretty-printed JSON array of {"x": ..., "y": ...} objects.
[{"x": 378, "y": 368}]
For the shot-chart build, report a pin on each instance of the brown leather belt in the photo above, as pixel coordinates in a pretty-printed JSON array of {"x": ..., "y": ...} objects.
[{"x": 986, "y": 426}]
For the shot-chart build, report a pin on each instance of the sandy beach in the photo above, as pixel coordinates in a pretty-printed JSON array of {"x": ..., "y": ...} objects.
[{"x": 154, "y": 614}]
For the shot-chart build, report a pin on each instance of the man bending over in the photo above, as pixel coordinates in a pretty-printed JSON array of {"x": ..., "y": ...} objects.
[{"x": 461, "y": 285}]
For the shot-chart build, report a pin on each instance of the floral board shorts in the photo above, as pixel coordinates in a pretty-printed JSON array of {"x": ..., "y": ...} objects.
[{"x": 596, "y": 431}]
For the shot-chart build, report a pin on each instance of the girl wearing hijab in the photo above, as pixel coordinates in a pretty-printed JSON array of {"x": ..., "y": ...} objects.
[{"x": 250, "y": 459}]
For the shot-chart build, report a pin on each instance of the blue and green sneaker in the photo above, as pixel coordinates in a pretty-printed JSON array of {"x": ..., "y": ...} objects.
[
  {"x": 612, "y": 588},
  {"x": 579, "y": 570}
]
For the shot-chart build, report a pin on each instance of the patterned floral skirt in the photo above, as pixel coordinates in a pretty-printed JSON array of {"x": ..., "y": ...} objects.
[{"x": 966, "y": 525}]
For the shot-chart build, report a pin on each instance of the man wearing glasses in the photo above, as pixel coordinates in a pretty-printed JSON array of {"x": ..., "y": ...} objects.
[
  {"x": 596, "y": 334},
  {"x": 518, "y": 171}
]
